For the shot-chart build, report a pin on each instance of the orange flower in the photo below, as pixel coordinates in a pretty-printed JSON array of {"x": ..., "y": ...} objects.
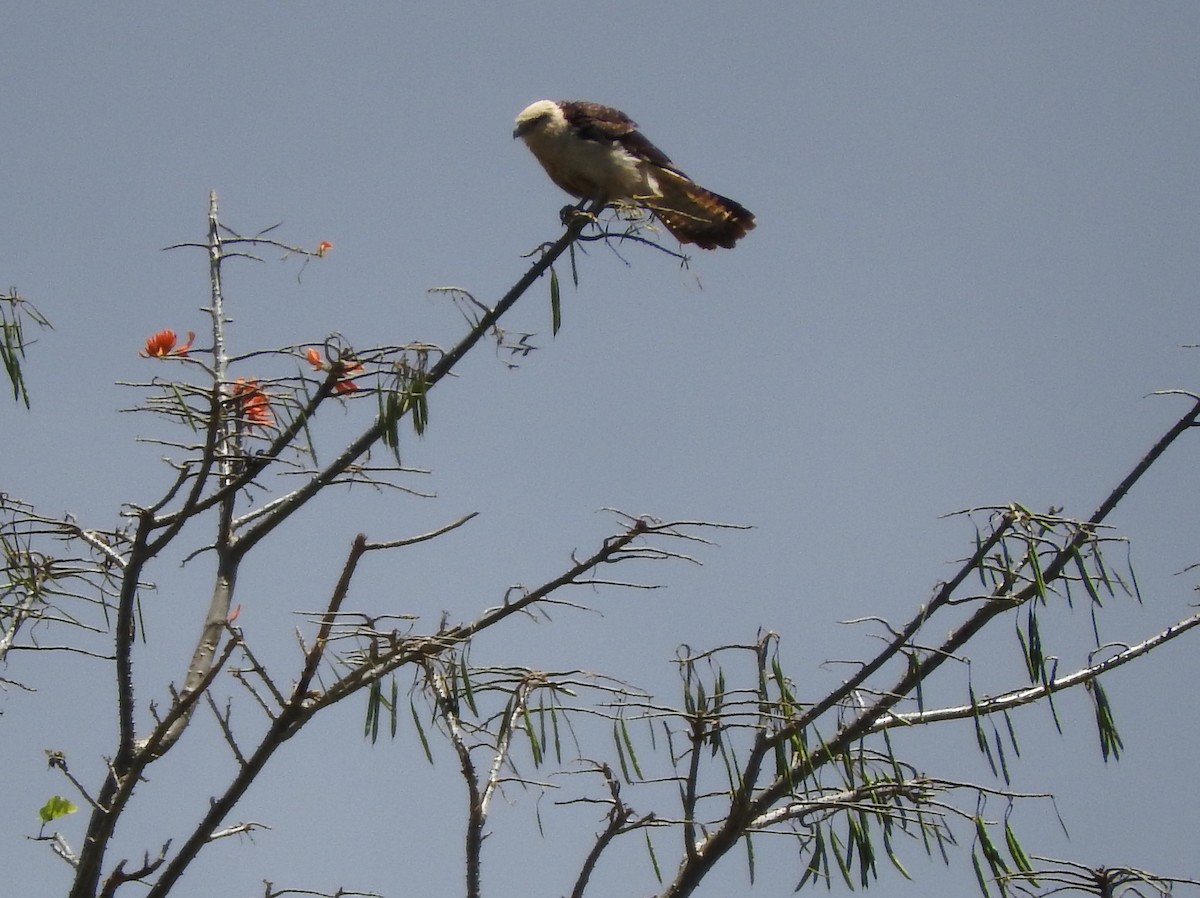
[
  {"x": 345, "y": 369},
  {"x": 162, "y": 346},
  {"x": 255, "y": 404},
  {"x": 323, "y": 249}
]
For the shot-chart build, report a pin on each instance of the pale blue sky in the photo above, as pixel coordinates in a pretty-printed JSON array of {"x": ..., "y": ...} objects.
[{"x": 977, "y": 253}]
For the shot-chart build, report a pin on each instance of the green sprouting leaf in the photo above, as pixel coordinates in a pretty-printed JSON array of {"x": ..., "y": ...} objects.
[
  {"x": 816, "y": 861},
  {"x": 1034, "y": 659},
  {"x": 653, "y": 856},
  {"x": 620, "y": 751},
  {"x": 1086, "y": 578},
  {"x": 840, "y": 857},
  {"x": 1016, "y": 852},
  {"x": 1035, "y": 564},
  {"x": 416, "y": 400},
  {"x": 557, "y": 737},
  {"x": 859, "y": 837},
  {"x": 12, "y": 350},
  {"x": 1137, "y": 590},
  {"x": 393, "y": 709},
  {"x": 980, "y": 735},
  {"x": 1012, "y": 735},
  {"x": 1110, "y": 739},
  {"x": 185, "y": 410},
  {"x": 1000, "y": 752},
  {"x": 979, "y": 874},
  {"x": 555, "y": 303},
  {"x": 56, "y": 807},
  {"x": 1102, "y": 569},
  {"x": 628, "y": 740},
  {"x": 535, "y": 745},
  {"x": 990, "y": 852},
  {"x": 468, "y": 691},
  {"x": 372, "y": 726},
  {"x": 891, "y": 852},
  {"x": 421, "y": 732},
  {"x": 390, "y": 409}
]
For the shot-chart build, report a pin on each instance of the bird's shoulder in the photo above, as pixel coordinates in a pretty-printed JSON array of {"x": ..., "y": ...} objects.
[{"x": 595, "y": 121}]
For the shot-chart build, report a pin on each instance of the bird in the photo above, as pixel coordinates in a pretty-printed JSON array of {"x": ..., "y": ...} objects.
[{"x": 597, "y": 153}]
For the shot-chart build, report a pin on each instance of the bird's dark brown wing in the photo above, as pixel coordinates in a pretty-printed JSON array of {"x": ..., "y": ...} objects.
[{"x": 594, "y": 121}]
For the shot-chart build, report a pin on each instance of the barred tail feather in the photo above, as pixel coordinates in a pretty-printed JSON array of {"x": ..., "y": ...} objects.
[{"x": 699, "y": 216}]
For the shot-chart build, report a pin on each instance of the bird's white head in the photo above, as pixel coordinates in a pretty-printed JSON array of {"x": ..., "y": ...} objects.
[{"x": 542, "y": 114}]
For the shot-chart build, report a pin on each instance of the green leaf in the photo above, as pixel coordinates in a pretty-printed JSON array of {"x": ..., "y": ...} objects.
[
  {"x": 620, "y": 751},
  {"x": 56, "y": 807},
  {"x": 535, "y": 746},
  {"x": 421, "y": 732},
  {"x": 979, "y": 874},
  {"x": 372, "y": 725},
  {"x": 629, "y": 747},
  {"x": 838, "y": 856},
  {"x": 395, "y": 705},
  {"x": 653, "y": 856},
  {"x": 1016, "y": 852},
  {"x": 468, "y": 690},
  {"x": 990, "y": 852},
  {"x": 816, "y": 861},
  {"x": 1110, "y": 739},
  {"x": 555, "y": 303}
]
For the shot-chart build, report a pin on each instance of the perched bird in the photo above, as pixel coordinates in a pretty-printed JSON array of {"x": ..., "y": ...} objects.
[{"x": 597, "y": 153}]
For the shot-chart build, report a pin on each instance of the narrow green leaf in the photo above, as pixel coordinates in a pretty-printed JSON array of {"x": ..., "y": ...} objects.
[
  {"x": 1000, "y": 754},
  {"x": 558, "y": 756},
  {"x": 620, "y": 751},
  {"x": 653, "y": 856},
  {"x": 1110, "y": 739},
  {"x": 838, "y": 856},
  {"x": 535, "y": 746},
  {"x": 542, "y": 715},
  {"x": 421, "y": 732},
  {"x": 1085, "y": 578},
  {"x": 1034, "y": 658},
  {"x": 990, "y": 852},
  {"x": 468, "y": 690},
  {"x": 1137, "y": 590},
  {"x": 980, "y": 736},
  {"x": 891, "y": 853},
  {"x": 1016, "y": 852},
  {"x": 629, "y": 747},
  {"x": 188, "y": 416},
  {"x": 372, "y": 725},
  {"x": 555, "y": 303},
  {"x": 1012, "y": 735},
  {"x": 395, "y": 706},
  {"x": 816, "y": 860},
  {"x": 979, "y": 875},
  {"x": 1035, "y": 564}
]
